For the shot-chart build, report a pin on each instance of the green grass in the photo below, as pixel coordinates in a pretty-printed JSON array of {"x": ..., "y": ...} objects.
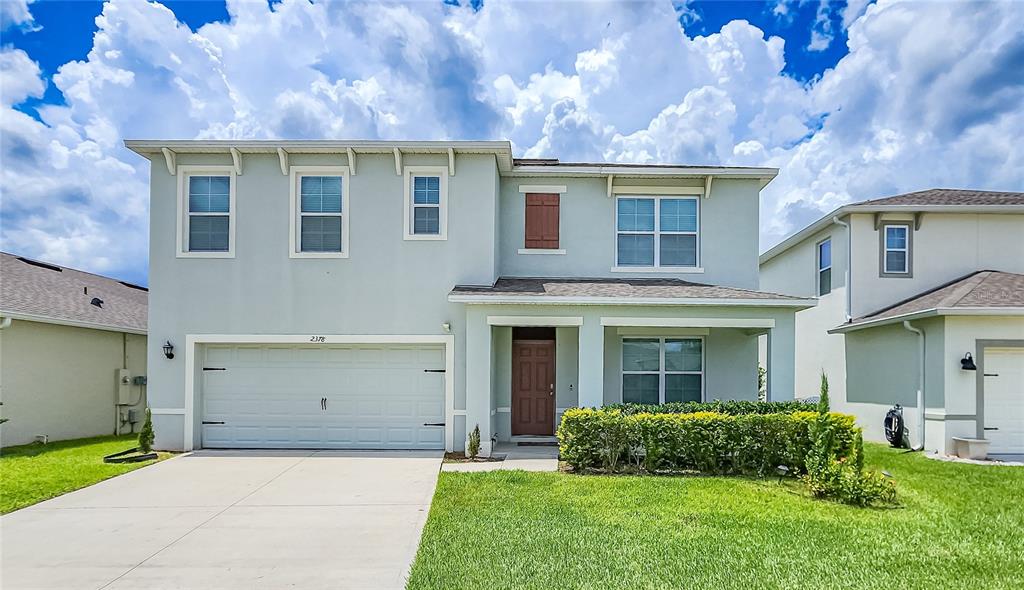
[
  {"x": 959, "y": 526},
  {"x": 36, "y": 472}
]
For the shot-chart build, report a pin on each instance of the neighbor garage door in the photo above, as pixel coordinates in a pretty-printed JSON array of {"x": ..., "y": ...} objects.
[
  {"x": 1004, "y": 399},
  {"x": 330, "y": 396}
]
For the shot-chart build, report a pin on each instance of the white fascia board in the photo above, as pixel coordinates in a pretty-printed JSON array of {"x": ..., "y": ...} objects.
[
  {"x": 542, "y": 300},
  {"x": 687, "y": 322},
  {"x": 534, "y": 321},
  {"x": 28, "y": 317},
  {"x": 640, "y": 171},
  {"x": 543, "y": 188},
  {"x": 935, "y": 311}
]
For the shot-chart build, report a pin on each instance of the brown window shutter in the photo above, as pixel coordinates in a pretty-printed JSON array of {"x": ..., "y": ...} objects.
[{"x": 542, "y": 220}]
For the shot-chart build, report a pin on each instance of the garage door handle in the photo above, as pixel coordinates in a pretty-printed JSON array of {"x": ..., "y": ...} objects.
[
  {"x": 433, "y": 370},
  {"x": 433, "y": 423},
  {"x": 991, "y": 374},
  {"x": 214, "y": 369},
  {"x": 211, "y": 422},
  {"x": 991, "y": 428}
]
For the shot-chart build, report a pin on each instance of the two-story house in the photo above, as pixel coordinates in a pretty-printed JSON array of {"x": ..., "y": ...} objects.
[
  {"x": 397, "y": 294},
  {"x": 921, "y": 303}
]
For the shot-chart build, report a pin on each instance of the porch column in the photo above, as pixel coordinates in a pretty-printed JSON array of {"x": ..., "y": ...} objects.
[
  {"x": 782, "y": 359},
  {"x": 591, "y": 366},
  {"x": 478, "y": 377}
]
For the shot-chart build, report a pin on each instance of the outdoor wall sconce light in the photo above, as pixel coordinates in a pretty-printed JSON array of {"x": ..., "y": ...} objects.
[
  {"x": 967, "y": 363},
  {"x": 168, "y": 349}
]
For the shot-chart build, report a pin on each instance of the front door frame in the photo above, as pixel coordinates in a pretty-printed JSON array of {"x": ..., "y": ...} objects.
[{"x": 554, "y": 370}]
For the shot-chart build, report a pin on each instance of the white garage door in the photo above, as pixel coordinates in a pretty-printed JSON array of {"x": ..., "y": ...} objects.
[
  {"x": 1004, "y": 399},
  {"x": 328, "y": 396}
]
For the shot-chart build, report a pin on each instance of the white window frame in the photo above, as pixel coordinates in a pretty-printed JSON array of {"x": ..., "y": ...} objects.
[
  {"x": 295, "y": 217},
  {"x": 887, "y": 249},
  {"x": 817, "y": 265},
  {"x": 662, "y": 372},
  {"x": 407, "y": 218},
  {"x": 657, "y": 235},
  {"x": 184, "y": 173}
]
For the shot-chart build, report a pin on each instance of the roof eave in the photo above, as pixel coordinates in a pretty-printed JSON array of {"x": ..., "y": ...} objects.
[
  {"x": 29, "y": 317},
  {"x": 935, "y": 311},
  {"x": 675, "y": 301}
]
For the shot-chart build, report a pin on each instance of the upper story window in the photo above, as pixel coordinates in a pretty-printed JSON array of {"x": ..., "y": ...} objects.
[
  {"x": 657, "y": 232},
  {"x": 660, "y": 370},
  {"x": 896, "y": 254},
  {"x": 319, "y": 212},
  {"x": 825, "y": 267},
  {"x": 206, "y": 211},
  {"x": 426, "y": 203}
]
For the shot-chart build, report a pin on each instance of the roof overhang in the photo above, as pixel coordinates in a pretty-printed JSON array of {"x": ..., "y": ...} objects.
[
  {"x": 926, "y": 313},
  {"x": 28, "y": 317},
  {"x": 826, "y": 220},
  {"x": 764, "y": 175},
  {"x": 473, "y": 299}
]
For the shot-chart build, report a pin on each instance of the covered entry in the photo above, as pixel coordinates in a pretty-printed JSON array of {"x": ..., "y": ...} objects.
[{"x": 329, "y": 396}]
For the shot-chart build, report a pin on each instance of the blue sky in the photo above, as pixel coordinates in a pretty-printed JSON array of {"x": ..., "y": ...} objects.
[{"x": 850, "y": 100}]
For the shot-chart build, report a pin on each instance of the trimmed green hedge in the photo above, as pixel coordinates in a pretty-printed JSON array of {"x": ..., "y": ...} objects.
[
  {"x": 706, "y": 442},
  {"x": 732, "y": 407}
]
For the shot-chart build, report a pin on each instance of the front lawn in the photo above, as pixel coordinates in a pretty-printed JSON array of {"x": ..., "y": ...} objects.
[
  {"x": 36, "y": 472},
  {"x": 960, "y": 526}
]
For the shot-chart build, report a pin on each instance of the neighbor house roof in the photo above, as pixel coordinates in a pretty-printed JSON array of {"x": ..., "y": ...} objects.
[
  {"x": 935, "y": 200},
  {"x": 43, "y": 292},
  {"x": 166, "y": 151},
  {"x": 583, "y": 291},
  {"x": 985, "y": 292}
]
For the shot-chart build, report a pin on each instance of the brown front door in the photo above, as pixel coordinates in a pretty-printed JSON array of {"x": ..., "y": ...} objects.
[{"x": 533, "y": 387}]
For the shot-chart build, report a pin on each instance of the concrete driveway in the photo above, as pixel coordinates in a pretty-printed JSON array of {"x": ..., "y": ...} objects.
[{"x": 230, "y": 519}]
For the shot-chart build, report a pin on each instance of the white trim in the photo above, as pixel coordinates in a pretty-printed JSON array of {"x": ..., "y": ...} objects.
[
  {"x": 643, "y": 191},
  {"x": 184, "y": 172},
  {"x": 295, "y": 175},
  {"x": 42, "y": 319},
  {"x": 548, "y": 300},
  {"x": 935, "y": 311},
  {"x": 410, "y": 172},
  {"x": 351, "y": 153},
  {"x": 662, "y": 371},
  {"x": 170, "y": 160},
  {"x": 543, "y": 188},
  {"x": 192, "y": 340},
  {"x": 886, "y": 249},
  {"x": 689, "y": 322},
  {"x": 398, "y": 161},
  {"x": 236, "y": 159},
  {"x": 657, "y": 234},
  {"x": 167, "y": 411},
  {"x": 661, "y": 331},
  {"x": 659, "y": 269},
  {"x": 528, "y": 320},
  {"x": 707, "y": 186},
  {"x": 282, "y": 157},
  {"x": 451, "y": 161},
  {"x": 459, "y": 412},
  {"x": 541, "y": 251},
  {"x": 503, "y": 409},
  {"x": 611, "y": 180}
]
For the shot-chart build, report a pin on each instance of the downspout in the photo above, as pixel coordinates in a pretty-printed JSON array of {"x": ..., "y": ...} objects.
[
  {"x": 849, "y": 263},
  {"x": 920, "y": 384}
]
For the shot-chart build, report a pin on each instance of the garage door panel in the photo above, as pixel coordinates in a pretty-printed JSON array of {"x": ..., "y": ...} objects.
[
  {"x": 1004, "y": 399},
  {"x": 270, "y": 397}
]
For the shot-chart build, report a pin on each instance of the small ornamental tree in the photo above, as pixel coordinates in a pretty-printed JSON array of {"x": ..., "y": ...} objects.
[
  {"x": 473, "y": 444},
  {"x": 146, "y": 435}
]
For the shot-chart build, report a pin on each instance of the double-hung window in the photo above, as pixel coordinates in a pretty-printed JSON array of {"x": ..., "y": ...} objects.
[
  {"x": 896, "y": 255},
  {"x": 660, "y": 370},
  {"x": 206, "y": 212},
  {"x": 426, "y": 203},
  {"x": 657, "y": 232},
  {"x": 319, "y": 212},
  {"x": 825, "y": 267}
]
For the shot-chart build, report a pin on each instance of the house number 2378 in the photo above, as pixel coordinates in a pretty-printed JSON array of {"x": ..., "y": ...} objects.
[{"x": 317, "y": 339}]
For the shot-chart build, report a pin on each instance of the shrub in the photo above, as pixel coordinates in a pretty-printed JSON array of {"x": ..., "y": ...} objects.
[
  {"x": 708, "y": 442},
  {"x": 473, "y": 444},
  {"x": 731, "y": 407},
  {"x": 146, "y": 436}
]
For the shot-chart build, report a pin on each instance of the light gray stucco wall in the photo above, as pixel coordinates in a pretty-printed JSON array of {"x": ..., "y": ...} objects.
[
  {"x": 60, "y": 381},
  {"x": 728, "y": 223},
  {"x": 388, "y": 285}
]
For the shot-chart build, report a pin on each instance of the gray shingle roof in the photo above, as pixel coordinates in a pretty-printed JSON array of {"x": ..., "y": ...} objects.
[
  {"x": 613, "y": 288},
  {"x": 948, "y": 196},
  {"x": 981, "y": 289},
  {"x": 51, "y": 291}
]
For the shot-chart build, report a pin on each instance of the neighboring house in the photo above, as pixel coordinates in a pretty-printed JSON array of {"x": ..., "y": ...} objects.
[
  {"x": 68, "y": 340},
  {"x": 949, "y": 263},
  {"x": 394, "y": 294}
]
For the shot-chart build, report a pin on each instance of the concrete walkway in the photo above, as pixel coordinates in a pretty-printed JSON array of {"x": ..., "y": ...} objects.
[
  {"x": 253, "y": 519},
  {"x": 527, "y": 458}
]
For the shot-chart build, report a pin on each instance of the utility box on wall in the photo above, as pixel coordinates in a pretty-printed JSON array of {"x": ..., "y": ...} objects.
[{"x": 124, "y": 387}]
